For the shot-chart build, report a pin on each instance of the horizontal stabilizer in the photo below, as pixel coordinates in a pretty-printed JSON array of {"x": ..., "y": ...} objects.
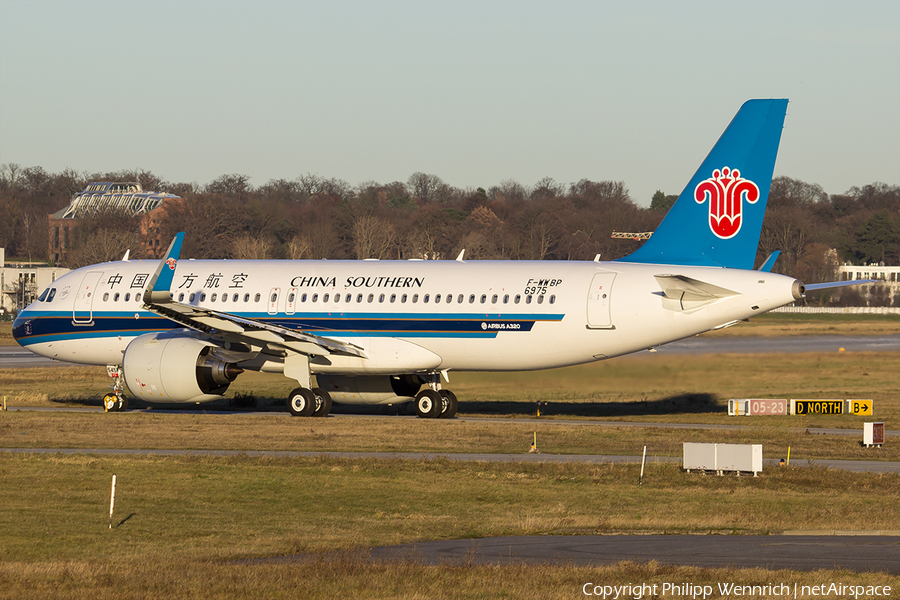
[{"x": 688, "y": 289}]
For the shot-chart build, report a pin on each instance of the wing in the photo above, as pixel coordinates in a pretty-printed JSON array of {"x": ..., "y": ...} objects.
[{"x": 228, "y": 327}]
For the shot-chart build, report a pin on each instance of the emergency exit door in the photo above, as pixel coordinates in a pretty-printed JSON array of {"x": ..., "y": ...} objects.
[{"x": 599, "y": 298}]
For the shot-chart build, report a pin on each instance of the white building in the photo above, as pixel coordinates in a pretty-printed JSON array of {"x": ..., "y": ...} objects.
[
  {"x": 21, "y": 283},
  {"x": 850, "y": 272},
  {"x": 885, "y": 293}
]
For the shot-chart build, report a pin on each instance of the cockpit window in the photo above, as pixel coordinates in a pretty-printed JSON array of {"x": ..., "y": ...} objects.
[
  {"x": 52, "y": 295},
  {"x": 43, "y": 295}
]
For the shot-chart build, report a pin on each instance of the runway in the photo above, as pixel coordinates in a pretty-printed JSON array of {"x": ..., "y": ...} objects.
[
  {"x": 859, "y": 466},
  {"x": 860, "y": 553}
]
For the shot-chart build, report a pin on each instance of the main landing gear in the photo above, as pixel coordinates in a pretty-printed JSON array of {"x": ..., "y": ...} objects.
[
  {"x": 435, "y": 403},
  {"x": 303, "y": 402},
  {"x": 115, "y": 401}
]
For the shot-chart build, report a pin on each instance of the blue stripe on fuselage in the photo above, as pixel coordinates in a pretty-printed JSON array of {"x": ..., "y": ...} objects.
[{"x": 41, "y": 327}]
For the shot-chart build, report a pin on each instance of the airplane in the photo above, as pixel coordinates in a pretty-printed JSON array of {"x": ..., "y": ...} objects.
[{"x": 390, "y": 332}]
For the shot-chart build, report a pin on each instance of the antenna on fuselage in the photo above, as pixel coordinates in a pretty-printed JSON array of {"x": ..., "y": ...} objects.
[{"x": 125, "y": 258}]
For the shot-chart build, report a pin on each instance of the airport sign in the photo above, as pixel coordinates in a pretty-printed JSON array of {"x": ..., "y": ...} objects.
[
  {"x": 863, "y": 408},
  {"x": 817, "y": 407},
  {"x": 769, "y": 407}
]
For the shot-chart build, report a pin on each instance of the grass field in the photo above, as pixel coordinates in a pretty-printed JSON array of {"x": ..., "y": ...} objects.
[
  {"x": 647, "y": 387},
  {"x": 182, "y": 522}
]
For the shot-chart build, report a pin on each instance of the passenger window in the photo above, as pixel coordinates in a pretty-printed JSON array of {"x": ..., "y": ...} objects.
[
  {"x": 381, "y": 298},
  {"x": 181, "y": 297},
  {"x": 224, "y": 297},
  {"x": 106, "y": 296},
  {"x": 116, "y": 297},
  {"x": 553, "y": 299},
  {"x": 483, "y": 298},
  {"x": 257, "y": 297},
  {"x": 128, "y": 297},
  {"x": 506, "y": 299},
  {"x": 426, "y": 298},
  {"x": 315, "y": 298},
  {"x": 246, "y": 297},
  {"x": 349, "y": 297},
  {"x": 325, "y": 297},
  {"x": 472, "y": 299},
  {"x": 459, "y": 299},
  {"x": 191, "y": 299},
  {"x": 393, "y": 298},
  {"x": 211, "y": 298},
  {"x": 137, "y": 297},
  {"x": 518, "y": 297},
  {"x": 403, "y": 298},
  {"x": 528, "y": 299},
  {"x": 337, "y": 297},
  {"x": 371, "y": 298},
  {"x": 541, "y": 299},
  {"x": 437, "y": 299},
  {"x": 234, "y": 298},
  {"x": 359, "y": 298},
  {"x": 494, "y": 299},
  {"x": 272, "y": 299}
]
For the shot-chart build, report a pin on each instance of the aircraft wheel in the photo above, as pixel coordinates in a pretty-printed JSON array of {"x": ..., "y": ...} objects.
[
  {"x": 109, "y": 403},
  {"x": 429, "y": 404},
  {"x": 449, "y": 404},
  {"x": 302, "y": 403},
  {"x": 121, "y": 403},
  {"x": 323, "y": 402}
]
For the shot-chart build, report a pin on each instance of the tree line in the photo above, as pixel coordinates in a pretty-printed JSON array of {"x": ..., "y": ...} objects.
[{"x": 319, "y": 217}]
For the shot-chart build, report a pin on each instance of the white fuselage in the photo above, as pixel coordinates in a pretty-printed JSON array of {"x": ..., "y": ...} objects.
[{"x": 408, "y": 316}]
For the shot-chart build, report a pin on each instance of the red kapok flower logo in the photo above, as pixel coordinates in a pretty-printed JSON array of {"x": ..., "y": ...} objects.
[{"x": 726, "y": 191}]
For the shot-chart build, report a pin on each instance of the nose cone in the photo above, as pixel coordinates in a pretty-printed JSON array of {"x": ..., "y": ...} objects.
[{"x": 21, "y": 327}]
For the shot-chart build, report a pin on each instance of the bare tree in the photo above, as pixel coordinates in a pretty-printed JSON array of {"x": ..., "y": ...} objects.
[
  {"x": 373, "y": 237},
  {"x": 299, "y": 247},
  {"x": 105, "y": 237},
  {"x": 250, "y": 247}
]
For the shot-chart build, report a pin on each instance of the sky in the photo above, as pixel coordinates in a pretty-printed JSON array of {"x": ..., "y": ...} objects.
[{"x": 475, "y": 92}]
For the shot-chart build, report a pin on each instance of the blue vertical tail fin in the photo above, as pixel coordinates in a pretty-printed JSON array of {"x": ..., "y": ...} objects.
[{"x": 717, "y": 219}]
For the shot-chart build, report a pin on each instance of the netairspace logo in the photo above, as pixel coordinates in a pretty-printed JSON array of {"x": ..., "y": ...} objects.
[{"x": 733, "y": 590}]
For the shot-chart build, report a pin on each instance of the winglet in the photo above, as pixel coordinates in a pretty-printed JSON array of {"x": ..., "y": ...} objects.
[
  {"x": 157, "y": 290},
  {"x": 770, "y": 262}
]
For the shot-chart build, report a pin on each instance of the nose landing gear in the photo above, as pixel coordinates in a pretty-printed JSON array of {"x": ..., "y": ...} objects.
[{"x": 115, "y": 401}]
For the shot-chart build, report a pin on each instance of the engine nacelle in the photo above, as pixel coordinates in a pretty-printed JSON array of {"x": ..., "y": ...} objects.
[
  {"x": 383, "y": 389},
  {"x": 166, "y": 367}
]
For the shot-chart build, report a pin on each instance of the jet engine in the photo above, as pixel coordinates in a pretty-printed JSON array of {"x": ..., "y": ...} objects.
[
  {"x": 165, "y": 367},
  {"x": 385, "y": 389}
]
